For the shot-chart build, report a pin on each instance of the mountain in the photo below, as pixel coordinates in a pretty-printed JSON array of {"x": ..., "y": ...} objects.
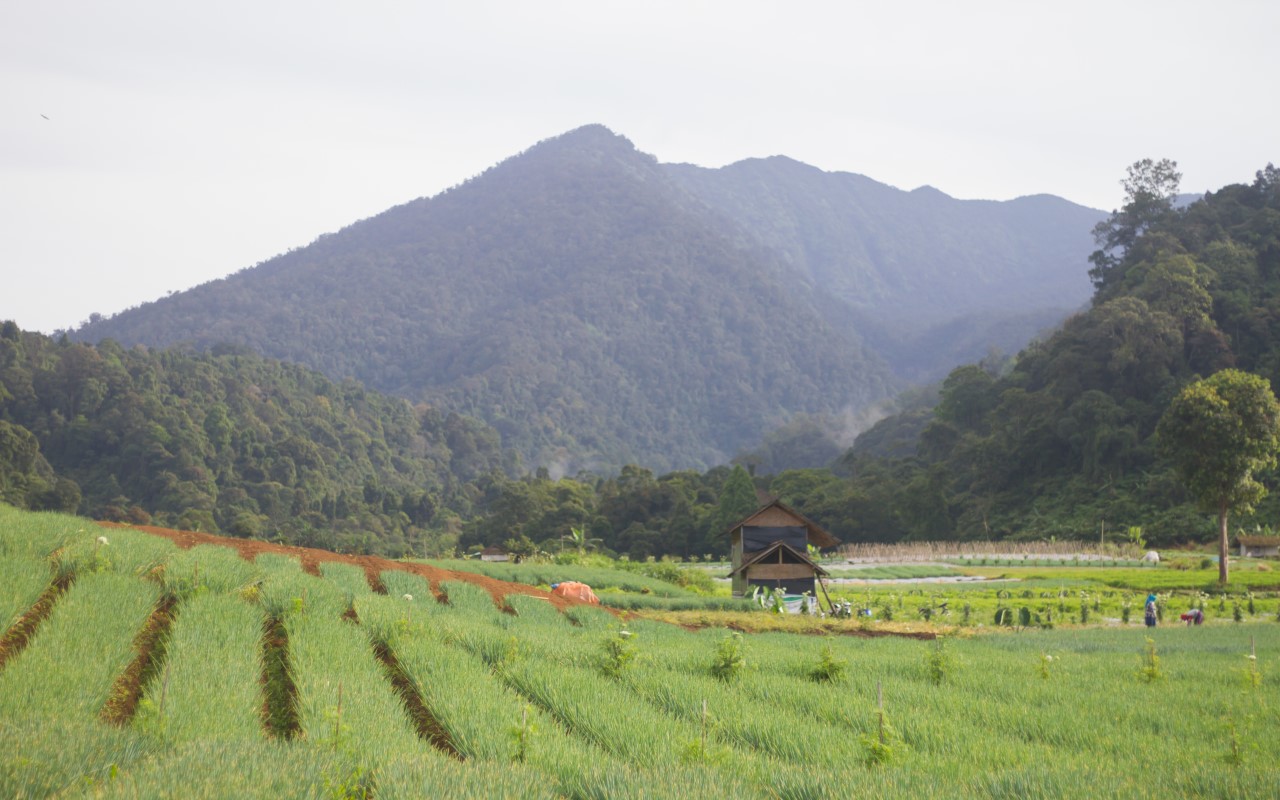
[
  {"x": 600, "y": 308},
  {"x": 929, "y": 281}
]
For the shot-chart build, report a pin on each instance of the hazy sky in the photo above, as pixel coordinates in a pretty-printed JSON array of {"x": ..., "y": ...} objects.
[{"x": 146, "y": 147}]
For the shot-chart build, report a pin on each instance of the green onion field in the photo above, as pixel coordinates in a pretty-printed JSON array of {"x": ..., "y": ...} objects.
[{"x": 152, "y": 671}]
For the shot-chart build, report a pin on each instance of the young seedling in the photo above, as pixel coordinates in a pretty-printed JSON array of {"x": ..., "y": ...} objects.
[
  {"x": 521, "y": 736},
  {"x": 882, "y": 747},
  {"x": 829, "y": 669},
  {"x": 619, "y": 650},
  {"x": 1149, "y": 671},
  {"x": 728, "y": 661},
  {"x": 939, "y": 662},
  {"x": 1046, "y": 663}
]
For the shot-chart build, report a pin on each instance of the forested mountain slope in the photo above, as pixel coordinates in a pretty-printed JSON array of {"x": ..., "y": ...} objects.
[
  {"x": 598, "y": 309},
  {"x": 912, "y": 270},
  {"x": 1063, "y": 441},
  {"x": 232, "y": 442}
]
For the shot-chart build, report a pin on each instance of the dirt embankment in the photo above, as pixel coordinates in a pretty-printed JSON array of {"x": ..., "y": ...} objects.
[{"x": 373, "y": 566}]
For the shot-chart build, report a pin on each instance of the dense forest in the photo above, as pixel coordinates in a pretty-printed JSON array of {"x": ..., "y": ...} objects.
[
  {"x": 599, "y": 308},
  {"x": 1060, "y": 441},
  {"x": 234, "y": 443}
]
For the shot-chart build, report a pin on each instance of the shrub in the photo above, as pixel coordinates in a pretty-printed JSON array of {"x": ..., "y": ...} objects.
[
  {"x": 829, "y": 669},
  {"x": 729, "y": 660},
  {"x": 1149, "y": 671},
  {"x": 939, "y": 662},
  {"x": 619, "y": 651}
]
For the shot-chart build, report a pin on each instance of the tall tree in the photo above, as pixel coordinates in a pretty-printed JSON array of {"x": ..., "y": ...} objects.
[
  {"x": 1218, "y": 432},
  {"x": 1150, "y": 187},
  {"x": 737, "y": 500}
]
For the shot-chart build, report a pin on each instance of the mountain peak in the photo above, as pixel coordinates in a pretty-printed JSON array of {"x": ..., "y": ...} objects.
[{"x": 594, "y": 137}]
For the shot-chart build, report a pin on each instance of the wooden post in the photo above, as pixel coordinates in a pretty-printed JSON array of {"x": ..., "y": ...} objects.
[{"x": 823, "y": 584}]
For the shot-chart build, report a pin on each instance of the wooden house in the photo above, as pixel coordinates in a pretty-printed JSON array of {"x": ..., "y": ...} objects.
[
  {"x": 770, "y": 548},
  {"x": 494, "y": 553},
  {"x": 1259, "y": 546}
]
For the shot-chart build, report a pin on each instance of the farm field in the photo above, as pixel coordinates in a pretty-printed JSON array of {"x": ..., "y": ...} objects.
[{"x": 157, "y": 670}]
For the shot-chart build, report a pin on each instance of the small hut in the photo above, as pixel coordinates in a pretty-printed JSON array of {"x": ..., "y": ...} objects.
[
  {"x": 770, "y": 548},
  {"x": 494, "y": 553},
  {"x": 1259, "y": 546}
]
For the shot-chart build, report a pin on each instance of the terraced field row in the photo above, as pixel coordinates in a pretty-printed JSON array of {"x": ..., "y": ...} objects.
[{"x": 158, "y": 671}]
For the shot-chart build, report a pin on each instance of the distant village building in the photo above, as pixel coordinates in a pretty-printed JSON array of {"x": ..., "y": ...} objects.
[
  {"x": 1259, "y": 546},
  {"x": 494, "y": 553},
  {"x": 770, "y": 549}
]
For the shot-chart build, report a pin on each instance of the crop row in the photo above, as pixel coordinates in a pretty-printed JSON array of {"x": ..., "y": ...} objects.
[{"x": 536, "y": 703}]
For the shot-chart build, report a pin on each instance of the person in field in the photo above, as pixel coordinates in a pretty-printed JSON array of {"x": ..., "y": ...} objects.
[
  {"x": 1149, "y": 614},
  {"x": 1193, "y": 617}
]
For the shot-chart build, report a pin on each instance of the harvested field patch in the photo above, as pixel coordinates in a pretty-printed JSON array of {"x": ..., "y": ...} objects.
[
  {"x": 132, "y": 683},
  {"x": 311, "y": 558},
  {"x": 16, "y": 638},
  {"x": 279, "y": 695},
  {"x": 424, "y": 722}
]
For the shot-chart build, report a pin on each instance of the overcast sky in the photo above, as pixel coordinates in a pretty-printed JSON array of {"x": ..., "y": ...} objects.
[{"x": 147, "y": 147}]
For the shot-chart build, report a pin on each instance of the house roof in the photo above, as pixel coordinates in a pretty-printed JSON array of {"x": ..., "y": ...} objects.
[
  {"x": 818, "y": 537},
  {"x": 493, "y": 550},
  {"x": 761, "y": 555},
  {"x": 1259, "y": 541}
]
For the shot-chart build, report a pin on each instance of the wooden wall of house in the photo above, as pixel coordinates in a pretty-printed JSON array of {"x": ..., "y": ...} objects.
[{"x": 774, "y": 517}]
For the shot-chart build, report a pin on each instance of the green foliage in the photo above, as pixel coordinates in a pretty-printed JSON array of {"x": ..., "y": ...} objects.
[
  {"x": 729, "y": 660},
  {"x": 521, "y": 736},
  {"x": 1219, "y": 433},
  {"x": 884, "y": 745},
  {"x": 618, "y": 651},
  {"x": 829, "y": 668},
  {"x": 771, "y": 600},
  {"x": 1064, "y": 437},
  {"x": 1150, "y": 671},
  {"x": 233, "y": 443},
  {"x": 940, "y": 663}
]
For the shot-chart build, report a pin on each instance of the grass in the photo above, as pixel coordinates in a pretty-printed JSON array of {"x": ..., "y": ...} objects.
[
  {"x": 22, "y": 581},
  {"x": 524, "y": 699}
]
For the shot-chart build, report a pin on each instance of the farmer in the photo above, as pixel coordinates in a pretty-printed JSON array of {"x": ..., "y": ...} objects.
[
  {"x": 1149, "y": 614},
  {"x": 1193, "y": 617}
]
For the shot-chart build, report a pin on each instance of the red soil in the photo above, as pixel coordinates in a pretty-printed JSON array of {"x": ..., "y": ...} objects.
[
  {"x": 14, "y": 640},
  {"x": 128, "y": 689},
  {"x": 311, "y": 559}
]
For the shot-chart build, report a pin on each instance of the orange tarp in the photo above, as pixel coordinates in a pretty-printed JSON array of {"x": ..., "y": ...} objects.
[{"x": 577, "y": 591}]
